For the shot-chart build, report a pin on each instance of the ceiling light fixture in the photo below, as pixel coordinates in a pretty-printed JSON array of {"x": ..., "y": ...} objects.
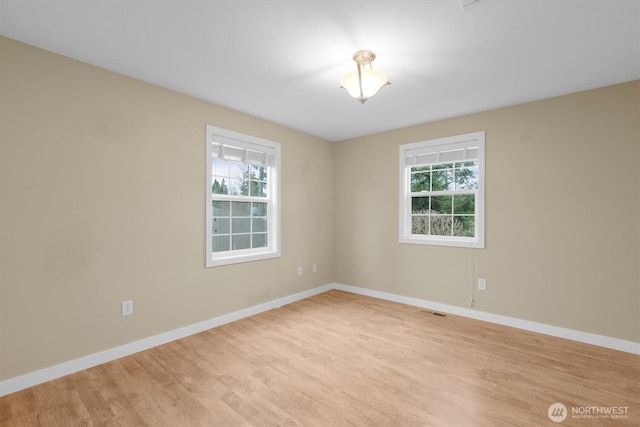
[{"x": 364, "y": 82}]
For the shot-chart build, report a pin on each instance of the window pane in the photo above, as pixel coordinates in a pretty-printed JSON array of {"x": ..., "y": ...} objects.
[
  {"x": 221, "y": 243},
  {"x": 419, "y": 205},
  {"x": 241, "y": 175},
  {"x": 220, "y": 226},
  {"x": 219, "y": 185},
  {"x": 220, "y": 167},
  {"x": 235, "y": 187},
  {"x": 258, "y": 189},
  {"x": 260, "y": 240},
  {"x": 467, "y": 178},
  {"x": 220, "y": 208},
  {"x": 244, "y": 188},
  {"x": 442, "y": 180},
  {"x": 441, "y": 204},
  {"x": 259, "y": 225},
  {"x": 464, "y": 226},
  {"x": 464, "y": 204},
  {"x": 441, "y": 225},
  {"x": 420, "y": 224},
  {"x": 241, "y": 209},
  {"x": 260, "y": 173},
  {"x": 237, "y": 170},
  {"x": 259, "y": 209},
  {"x": 241, "y": 225},
  {"x": 240, "y": 241},
  {"x": 420, "y": 181}
]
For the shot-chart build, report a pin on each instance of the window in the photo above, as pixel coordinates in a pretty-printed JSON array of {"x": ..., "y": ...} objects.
[
  {"x": 442, "y": 191},
  {"x": 242, "y": 198}
]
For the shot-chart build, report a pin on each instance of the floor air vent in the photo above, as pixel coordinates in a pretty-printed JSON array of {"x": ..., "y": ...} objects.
[{"x": 433, "y": 313}]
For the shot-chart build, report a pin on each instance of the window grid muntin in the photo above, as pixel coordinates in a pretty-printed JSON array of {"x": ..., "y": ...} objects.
[
  {"x": 239, "y": 178},
  {"x": 259, "y": 209},
  {"x": 452, "y": 186},
  {"x": 244, "y": 175}
]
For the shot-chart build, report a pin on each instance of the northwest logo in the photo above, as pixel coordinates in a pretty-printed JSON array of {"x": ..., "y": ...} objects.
[{"x": 557, "y": 412}]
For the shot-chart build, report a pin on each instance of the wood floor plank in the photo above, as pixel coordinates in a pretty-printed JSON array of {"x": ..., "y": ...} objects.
[{"x": 339, "y": 359}]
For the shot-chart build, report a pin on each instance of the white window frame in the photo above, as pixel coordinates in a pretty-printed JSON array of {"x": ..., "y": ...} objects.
[
  {"x": 252, "y": 146},
  {"x": 423, "y": 153}
]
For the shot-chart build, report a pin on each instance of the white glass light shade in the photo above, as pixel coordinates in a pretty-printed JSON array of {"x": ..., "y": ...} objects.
[
  {"x": 372, "y": 82},
  {"x": 364, "y": 82},
  {"x": 350, "y": 82}
]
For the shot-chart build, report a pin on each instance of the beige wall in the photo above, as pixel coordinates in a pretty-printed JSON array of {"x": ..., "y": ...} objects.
[
  {"x": 102, "y": 200},
  {"x": 562, "y": 215}
]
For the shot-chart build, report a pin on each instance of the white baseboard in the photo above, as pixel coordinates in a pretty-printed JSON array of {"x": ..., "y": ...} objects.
[
  {"x": 556, "y": 331},
  {"x": 37, "y": 377}
]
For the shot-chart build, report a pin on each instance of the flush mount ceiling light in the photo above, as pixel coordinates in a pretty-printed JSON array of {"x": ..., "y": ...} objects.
[{"x": 364, "y": 82}]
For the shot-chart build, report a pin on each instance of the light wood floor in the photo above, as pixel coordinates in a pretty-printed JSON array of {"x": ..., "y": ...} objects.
[{"x": 340, "y": 359}]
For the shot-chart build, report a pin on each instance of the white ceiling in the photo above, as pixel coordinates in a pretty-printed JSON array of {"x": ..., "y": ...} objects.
[{"x": 281, "y": 60}]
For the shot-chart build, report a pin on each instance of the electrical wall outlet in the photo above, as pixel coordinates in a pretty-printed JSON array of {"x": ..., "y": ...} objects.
[
  {"x": 299, "y": 270},
  {"x": 482, "y": 284},
  {"x": 314, "y": 268},
  {"x": 127, "y": 307}
]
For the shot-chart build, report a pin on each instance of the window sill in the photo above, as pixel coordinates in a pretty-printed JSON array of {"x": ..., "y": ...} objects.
[
  {"x": 452, "y": 242},
  {"x": 241, "y": 258}
]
